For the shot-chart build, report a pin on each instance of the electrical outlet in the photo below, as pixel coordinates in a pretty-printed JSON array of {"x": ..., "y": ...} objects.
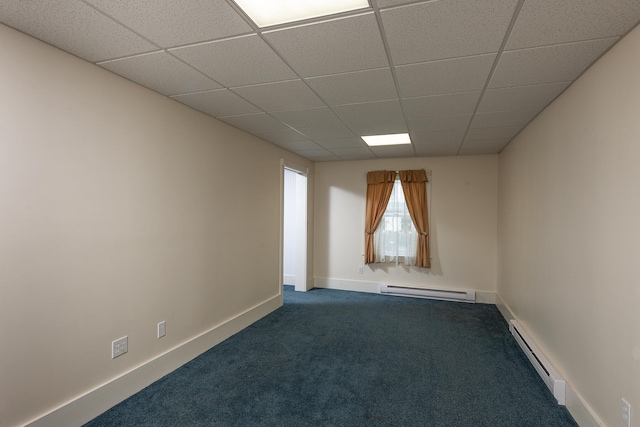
[
  {"x": 360, "y": 270},
  {"x": 119, "y": 347},
  {"x": 626, "y": 413},
  {"x": 162, "y": 329}
]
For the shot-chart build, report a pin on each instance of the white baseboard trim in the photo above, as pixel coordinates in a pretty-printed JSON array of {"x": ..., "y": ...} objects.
[
  {"x": 374, "y": 288},
  {"x": 575, "y": 404},
  {"x": 86, "y": 407}
]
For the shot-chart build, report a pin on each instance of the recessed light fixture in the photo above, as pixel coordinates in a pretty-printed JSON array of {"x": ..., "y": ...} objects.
[
  {"x": 392, "y": 139},
  {"x": 273, "y": 12}
]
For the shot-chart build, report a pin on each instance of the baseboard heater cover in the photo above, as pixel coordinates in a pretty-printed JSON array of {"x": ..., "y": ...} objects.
[
  {"x": 549, "y": 375},
  {"x": 460, "y": 296}
]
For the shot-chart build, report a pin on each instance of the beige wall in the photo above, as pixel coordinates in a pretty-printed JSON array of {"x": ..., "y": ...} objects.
[
  {"x": 463, "y": 221},
  {"x": 119, "y": 208},
  {"x": 569, "y": 210}
]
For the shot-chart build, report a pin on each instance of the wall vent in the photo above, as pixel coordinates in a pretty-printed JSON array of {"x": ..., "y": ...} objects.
[
  {"x": 549, "y": 375},
  {"x": 460, "y": 296}
]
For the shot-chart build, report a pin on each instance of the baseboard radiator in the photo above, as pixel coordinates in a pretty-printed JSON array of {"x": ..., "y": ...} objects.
[
  {"x": 460, "y": 296},
  {"x": 549, "y": 375}
]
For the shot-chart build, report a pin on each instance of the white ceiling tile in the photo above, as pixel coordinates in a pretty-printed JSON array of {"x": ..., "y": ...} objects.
[
  {"x": 358, "y": 153},
  {"x": 450, "y": 137},
  {"x": 281, "y": 136},
  {"x": 388, "y": 3},
  {"x": 254, "y": 122},
  {"x": 217, "y": 103},
  {"x": 436, "y": 149},
  {"x": 533, "y": 97},
  {"x": 389, "y": 151},
  {"x": 297, "y": 145},
  {"x": 447, "y": 76},
  {"x": 332, "y": 132},
  {"x": 359, "y": 86},
  {"x": 446, "y": 29},
  {"x": 317, "y": 155},
  {"x": 331, "y": 47},
  {"x": 484, "y": 146},
  {"x": 373, "y": 118},
  {"x": 334, "y": 143},
  {"x": 174, "y": 23},
  {"x": 75, "y": 27},
  {"x": 235, "y": 62},
  {"x": 161, "y": 72},
  {"x": 442, "y": 123},
  {"x": 309, "y": 117},
  {"x": 557, "y": 63},
  {"x": 280, "y": 96},
  {"x": 369, "y": 111},
  {"x": 441, "y": 105},
  {"x": 388, "y": 126},
  {"x": 503, "y": 118},
  {"x": 546, "y": 22},
  {"x": 493, "y": 133}
]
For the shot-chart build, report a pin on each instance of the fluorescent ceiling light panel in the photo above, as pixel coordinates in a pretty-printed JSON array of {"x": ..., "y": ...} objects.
[
  {"x": 273, "y": 12},
  {"x": 392, "y": 139}
]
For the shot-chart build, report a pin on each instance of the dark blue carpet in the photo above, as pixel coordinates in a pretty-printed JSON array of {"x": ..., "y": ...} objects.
[{"x": 337, "y": 358}]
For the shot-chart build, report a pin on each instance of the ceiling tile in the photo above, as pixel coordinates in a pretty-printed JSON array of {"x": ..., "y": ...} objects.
[
  {"x": 369, "y": 111},
  {"x": 360, "y": 86},
  {"x": 450, "y": 137},
  {"x": 280, "y": 96},
  {"x": 503, "y": 118},
  {"x": 359, "y": 153},
  {"x": 443, "y": 123},
  {"x": 75, "y": 27},
  {"x": 281, "y": 136},
  {"x": 247, "y": 60},
  {"x": 330, "y": 132},
  {"x": 161, "y": 72},
  {"x": 493, "y": 133},
  {"x": 331, "y": 47},
  {"x": 447, "y": 76},
  {"x": 437, "y": 149},
  {"x": 309, "y": 117},
  {"x": 483, "y": 146},
  {"x": 521, "y": 97},
  {"x": 373, "y": 118},
  {"x": 217, "y": 103},
  {"x": 439, "y": 30},
  {"x": 297, "y": 145},
  {"x": 441, "y": 105},
  {"x": 388, "y": 151},
  {"x": 254, "y": 122},
  {"x": 548, "y": 64},
  {"x": 317, "y": 155},
  {"x": 388, "y": 3},
  {"x": 546, "y": 22},
  {"x": 174, "y": 23},
  {"x": 338, "y": 143}
]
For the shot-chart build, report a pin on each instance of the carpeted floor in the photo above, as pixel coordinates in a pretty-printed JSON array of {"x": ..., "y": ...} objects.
[{"x": 337, "y": 358}]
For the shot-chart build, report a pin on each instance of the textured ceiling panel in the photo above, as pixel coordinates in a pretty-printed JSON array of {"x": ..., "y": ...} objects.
[
  {"x": 453, "y": 29},
  {"x": 174, "y": 23},
  {"x": 247, "y": 60},
  {"x": 161, "y": 72},
  {"x": 336, "y": 46},
  {"x": 462, "y": 77}
]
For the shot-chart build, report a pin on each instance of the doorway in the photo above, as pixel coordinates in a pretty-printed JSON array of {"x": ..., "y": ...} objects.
[{"x": 294, "y": 229}]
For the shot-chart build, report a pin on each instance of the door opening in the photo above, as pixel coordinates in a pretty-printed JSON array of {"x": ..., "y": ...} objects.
[{"x": 294, "y": 229}]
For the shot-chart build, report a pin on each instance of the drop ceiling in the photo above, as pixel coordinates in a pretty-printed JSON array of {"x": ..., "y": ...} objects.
[{"x": 461, "y": 76}]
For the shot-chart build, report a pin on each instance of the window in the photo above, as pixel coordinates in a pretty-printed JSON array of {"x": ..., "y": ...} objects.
[
  {"x": 397, "y": 218},
  {"x": 396, "y": 236}
]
